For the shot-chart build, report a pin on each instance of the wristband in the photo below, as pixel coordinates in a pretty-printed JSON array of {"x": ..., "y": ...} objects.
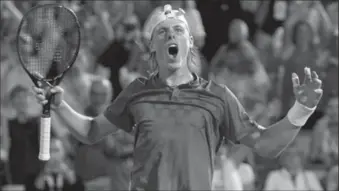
[{"x": 299, "y": 114}]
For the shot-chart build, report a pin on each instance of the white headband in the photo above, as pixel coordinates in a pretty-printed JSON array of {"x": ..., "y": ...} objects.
[{"x": 159, "y": 16}]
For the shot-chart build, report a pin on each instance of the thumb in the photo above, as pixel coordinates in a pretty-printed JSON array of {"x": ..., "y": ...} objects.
[
  {"x": 57, "y": 93},
  {"x": 56, "y": 89}
]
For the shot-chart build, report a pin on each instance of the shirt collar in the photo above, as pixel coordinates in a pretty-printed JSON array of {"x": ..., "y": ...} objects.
[{"x": 192, "y": 84}]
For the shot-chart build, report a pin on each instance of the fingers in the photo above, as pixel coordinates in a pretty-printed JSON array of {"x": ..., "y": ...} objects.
[
  {"x": 38, "y": 75},
  {"x": 40, "y": 95},
  {"x": 295, "y": 80},
  {"x": 38, "y": 90},
  {"x": 57, "y": 92},
  {"x": 308, "y": 77},
  {"x": 315, "y": 78},
  {"x": 56, "y": 89},
  {"x": 319, "y": 93}
]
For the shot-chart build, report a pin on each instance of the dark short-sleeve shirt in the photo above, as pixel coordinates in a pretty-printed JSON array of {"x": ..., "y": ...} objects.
[{"x": 178, "y": 130}]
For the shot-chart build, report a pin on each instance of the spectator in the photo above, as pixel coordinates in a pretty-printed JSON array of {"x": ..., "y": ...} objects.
[
  {"x": 114, "y": 153},
  {"x": 305, "y": 54},
  {"x": 77, "y": 82},
  {"x": 238, "y": 66},
  {"x": 315, "y": 15},
  {"x": 118, "y": 52},
  {"x": 23, "y": 135},
  {"x": 226, "y": 176},
  {"x": 91, "y": 163},
  {"x": 197, "y": 30},
  {"x": 271, "y": 15},
  {"x": 292, "y": 175},
  {"x": 217, "y": 10},
  {"x": 56, "y": 174},
  {"x": 241, "y": 156},
  {"x": 330, "y": 82},
  {"x": 324, "y": 142},
  {"x": 332, "y": 10}
]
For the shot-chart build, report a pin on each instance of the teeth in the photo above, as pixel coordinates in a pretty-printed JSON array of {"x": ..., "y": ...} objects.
[{"x": 173, "y": 45}]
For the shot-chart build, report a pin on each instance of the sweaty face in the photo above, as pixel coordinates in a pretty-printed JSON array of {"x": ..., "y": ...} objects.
[{"x": 171, "y": 42}]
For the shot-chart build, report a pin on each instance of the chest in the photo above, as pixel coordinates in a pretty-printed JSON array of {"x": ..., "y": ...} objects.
[{"x": 176, "y": 109}]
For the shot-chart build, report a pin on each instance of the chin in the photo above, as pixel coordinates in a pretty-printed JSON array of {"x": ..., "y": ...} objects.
[{"x": 174, "y": 66}]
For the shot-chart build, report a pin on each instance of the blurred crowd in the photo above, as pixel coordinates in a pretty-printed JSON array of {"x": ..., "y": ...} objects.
[{"x": 251, "y": 46}]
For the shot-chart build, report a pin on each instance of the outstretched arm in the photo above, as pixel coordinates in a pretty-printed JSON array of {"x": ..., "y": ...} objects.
[
  {"x": 275, "y": 138},
  {"x": 271, "y": 141},
  {"x": 87, "y": 129}
]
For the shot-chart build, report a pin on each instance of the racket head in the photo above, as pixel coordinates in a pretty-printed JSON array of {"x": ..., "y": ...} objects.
[{"x": 48, "y": 42}]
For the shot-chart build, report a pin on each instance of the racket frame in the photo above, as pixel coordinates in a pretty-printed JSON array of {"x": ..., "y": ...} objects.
[{"x": 45, "y": 117}]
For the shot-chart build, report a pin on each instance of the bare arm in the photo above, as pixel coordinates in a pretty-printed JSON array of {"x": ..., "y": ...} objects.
[
  {"x": 276, "y": 138},
  {"x": 271, "y": 141},
  {"x": 86, "y": 129}
]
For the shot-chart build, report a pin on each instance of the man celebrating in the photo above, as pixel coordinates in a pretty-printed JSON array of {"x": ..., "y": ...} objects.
[{"x": 179, "y": 119}]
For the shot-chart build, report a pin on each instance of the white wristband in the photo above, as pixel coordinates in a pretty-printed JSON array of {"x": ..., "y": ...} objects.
[{"x": 299, "y": 114}]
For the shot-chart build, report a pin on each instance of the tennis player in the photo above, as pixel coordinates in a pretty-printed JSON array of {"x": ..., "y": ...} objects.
[{"x": 179, "y": 119}]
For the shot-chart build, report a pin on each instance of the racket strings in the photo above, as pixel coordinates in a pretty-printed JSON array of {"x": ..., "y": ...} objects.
[{"x": 49, "y": 41}]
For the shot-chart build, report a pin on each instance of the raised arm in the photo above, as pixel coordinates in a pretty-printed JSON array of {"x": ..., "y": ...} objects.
[
  {"x": 88, "y": 129},
  {"x": 84, "y": 128},
  {"x": 271, "y": 141}
]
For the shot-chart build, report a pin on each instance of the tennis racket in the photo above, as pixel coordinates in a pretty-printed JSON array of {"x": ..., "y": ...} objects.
[{"x": 48, "y": 42}]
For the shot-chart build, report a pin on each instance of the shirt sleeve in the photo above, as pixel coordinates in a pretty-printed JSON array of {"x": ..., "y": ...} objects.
[
  {"x": 118, "y": 113},
  {"x": 238, "y": 126}
]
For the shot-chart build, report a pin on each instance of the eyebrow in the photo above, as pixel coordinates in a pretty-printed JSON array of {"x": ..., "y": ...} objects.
[{"x": 175, "y": 26}]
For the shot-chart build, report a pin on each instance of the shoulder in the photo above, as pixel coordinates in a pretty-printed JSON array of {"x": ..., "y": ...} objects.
[
  {"x": 219, "y": 90},
  {"x": 213, "y": 87},
  {"x": 136, "y": 86}
]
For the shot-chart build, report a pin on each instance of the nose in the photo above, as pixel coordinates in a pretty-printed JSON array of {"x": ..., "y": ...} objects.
[{"x": 170, "y": 35}]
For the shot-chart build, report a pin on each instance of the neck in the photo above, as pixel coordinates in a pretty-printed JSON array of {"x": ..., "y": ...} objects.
[{"x": 176, "y": 77}]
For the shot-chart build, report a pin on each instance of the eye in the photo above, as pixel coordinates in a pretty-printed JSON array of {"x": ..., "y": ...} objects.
[
  {"x": 179, "y": 29},
  {"x": 161, "y": 31}
]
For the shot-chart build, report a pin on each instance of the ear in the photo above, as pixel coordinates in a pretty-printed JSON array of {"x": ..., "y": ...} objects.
[{"x": 191, "y": 42}]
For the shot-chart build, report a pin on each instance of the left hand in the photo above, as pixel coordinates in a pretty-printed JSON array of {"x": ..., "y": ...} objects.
[{"x": 309, "y": 93}]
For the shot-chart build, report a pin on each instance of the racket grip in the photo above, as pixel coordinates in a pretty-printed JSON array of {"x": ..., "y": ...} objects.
[{"x": 45, "y": 136}]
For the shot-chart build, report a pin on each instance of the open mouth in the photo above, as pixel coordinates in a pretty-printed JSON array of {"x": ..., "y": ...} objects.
[{"x": 173, "y": 50}]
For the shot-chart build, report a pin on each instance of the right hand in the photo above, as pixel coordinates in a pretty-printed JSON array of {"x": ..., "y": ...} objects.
[{"x": 56, "y": 91}]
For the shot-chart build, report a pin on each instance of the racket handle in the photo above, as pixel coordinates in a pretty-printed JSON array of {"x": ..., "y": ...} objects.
[{"x": 45, "y": 136}]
